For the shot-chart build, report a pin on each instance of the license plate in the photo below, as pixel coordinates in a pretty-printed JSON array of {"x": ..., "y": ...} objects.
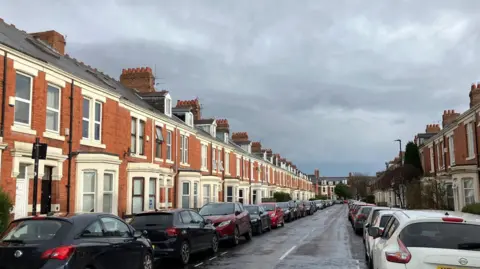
[{"x": 451, "y": 267}]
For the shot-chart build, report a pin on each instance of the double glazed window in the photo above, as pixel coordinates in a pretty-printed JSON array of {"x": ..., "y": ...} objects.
[
  {"x": 137, "y": 136},
  {"x": 184, "y": 149},
  {"x": 169, "y": 145},
  {"x": 53, "y": 109},
  {"x": 23, "y": 99},
  {"x": 98, "y": 196},
  {"x": 91, "y": 120},
  {"x": 158, "y": 142},
  {"x": 138, "y": 194}
]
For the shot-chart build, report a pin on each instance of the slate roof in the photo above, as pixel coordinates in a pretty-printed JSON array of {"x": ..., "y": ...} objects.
[
  {"x": 35, "y": 48},
  {"x": 204, "y": 121}
]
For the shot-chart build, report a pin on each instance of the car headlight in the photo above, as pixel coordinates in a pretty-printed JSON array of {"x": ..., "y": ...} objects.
[
  {"x": 254, "y": 220},
  {"x": 224, "y": 223}
]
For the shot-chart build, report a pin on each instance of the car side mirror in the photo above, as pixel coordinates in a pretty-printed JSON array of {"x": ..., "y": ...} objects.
[
  {"x": 367, "y": 225},
  {"x": 237, "y": 213},
  {"x": 137, "y": 234},
  {"x": 208, "y": 221},
  {"x": 375, "y": 232}
]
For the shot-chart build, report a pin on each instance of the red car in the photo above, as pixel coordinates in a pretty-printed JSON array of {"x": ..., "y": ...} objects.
[
  {"x": 276, "y": 214},
  {"x": 230, "y": 219}
]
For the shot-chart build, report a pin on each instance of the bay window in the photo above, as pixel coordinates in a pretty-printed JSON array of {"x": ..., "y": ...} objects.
[
  {"x": 108, "y": 193},
  {"x": 138, "y": 194},
  {"x": 152, "y": 193}
]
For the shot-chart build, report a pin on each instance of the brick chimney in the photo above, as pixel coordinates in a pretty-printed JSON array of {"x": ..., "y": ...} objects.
[
  {"x": 140, "y": 79},
  {"x": 195, "y": 106},
  {"x": 240, "y": 137},
  {"x": 53, "y": 39},
  {"x": 448, "y": 117},
  {"x": 316, "y": 172},
  {"x": 257, "y": 147},
  {"x": 223, "y": 126},
  {"x": 432, "y": 128},
  {"x": 474, "y": 94}
]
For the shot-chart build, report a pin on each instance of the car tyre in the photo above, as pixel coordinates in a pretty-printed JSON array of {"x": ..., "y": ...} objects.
[
  {"x": 249, "y": 235},
  {"x": 215, "y": 243},
  {"x": 185, "y": 253},
  {"x": 147, "y": 262},
  {"x": 260, "y": 228},
  {"x": 236, "y": 237}
]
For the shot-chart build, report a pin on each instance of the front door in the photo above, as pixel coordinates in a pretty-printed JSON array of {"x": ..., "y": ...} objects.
[
  {"x": 240, "y": 196},
  {"x": 21, "y": 195},
  {"x": 46, "y": 195}
]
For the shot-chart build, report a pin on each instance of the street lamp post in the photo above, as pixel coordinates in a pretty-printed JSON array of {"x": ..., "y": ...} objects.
[{"x": 401, "y": 188}]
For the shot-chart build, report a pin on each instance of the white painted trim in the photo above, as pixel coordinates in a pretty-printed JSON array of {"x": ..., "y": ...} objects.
[
  {"x": 56, "y": 81},
  {"x": 170, "y": 128},
  {"x": 468, "y": 119},
  {"x": 25, "y": 68},
  {"x": 90, "y": 92},
  {"x": 450, "y": 132},
  {"x": 438, "y": 140},
  {"x": 138, "y": 116},
  {"x": 91, "y": 143},
  {"x": 2, "y": 53},
  {"x": 53, "y": 136},
  {"x": 23, "y": 129}
]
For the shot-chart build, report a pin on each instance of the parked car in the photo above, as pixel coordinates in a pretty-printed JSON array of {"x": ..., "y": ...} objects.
[
  {"x": 230, "y": 219},
  {"x": 319, "y": 204},
  {"x": 288, "y": 212},
  {"x": 308, "y": 207},
  {"x": 177, "y": 233},
  {"x": 297, "y": 213},
  {"x": 379, "y": 221},
  {"x": 93, "y": 240},
  {"x": 374, "y": 213},
  {"x": 259, "y": 218},
  {"x": 301, "y": 209},
  {"x": 360, "y": 217},
  {"x": 427, "y": 239},
  {"x": 353, "y": 210},
  {"x": 275, "y": 213}
]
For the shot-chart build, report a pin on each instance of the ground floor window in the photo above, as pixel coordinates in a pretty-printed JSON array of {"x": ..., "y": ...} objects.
[
  {"x": 206, "y": 194},
  {"x": 195, "y": 195},
  {"x": 186, "y": 195},
  {"x": 138, "y": 195},
  {"x": 108, "y": 192},
  {"x": 152, "y": 193},
  {"x": 240, "y": 196},
  {"x": 229, "y": 194},
  {"x": 254, "y": 196},
  {"x": 469, "y": 193},
  {"x": 89, "y": 191}
]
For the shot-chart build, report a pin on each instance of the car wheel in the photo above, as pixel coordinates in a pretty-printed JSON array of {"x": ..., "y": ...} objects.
[
  {"x": 214, "y": 244},
  {"x": 147, "y": 261},
  {"x": 185, "y": 253},
  {"x": 236, "y": 236},
  {"x": 269, "y": 226},
  {"x": 248, "y": 235}
]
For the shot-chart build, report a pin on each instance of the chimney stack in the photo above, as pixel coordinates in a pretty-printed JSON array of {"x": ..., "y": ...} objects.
[
  {"x": 316, "y": 173},
  {"x": 448, "y": 117},
  {"x": 140, "y": 79},
  {"x": 474, "y": 94},
  {"x": 223, "y": 126},
  {"x": 195, "y": 107},
  {"x": 53, "y": 39},
  {"x": 256, "y": 147},
  {"x": 432, "y": 128},
  {"x": 240, "y": 137}
]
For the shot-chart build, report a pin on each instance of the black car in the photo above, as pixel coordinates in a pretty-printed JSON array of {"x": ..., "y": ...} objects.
[
  {"x": 91, "y": 240},
  {"x": 288, "y": 211},
  {"x": 259, "y": 218},
  {"x": 177, "y": 233}
]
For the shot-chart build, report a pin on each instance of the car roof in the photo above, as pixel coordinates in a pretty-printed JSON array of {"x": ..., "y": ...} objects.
[
  {"x": 413, "y": 215},
  {"x": 268, "y": 203}
]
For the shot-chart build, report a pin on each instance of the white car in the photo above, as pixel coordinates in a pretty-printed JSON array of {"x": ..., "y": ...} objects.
[
  {"x": 372, "y": 217},
  {"x": 380, "y": 220},
  {"x": 424, "y": 239}
]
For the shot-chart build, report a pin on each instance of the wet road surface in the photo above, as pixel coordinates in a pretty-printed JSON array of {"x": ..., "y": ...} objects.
[{"x": 324, "y": 240}]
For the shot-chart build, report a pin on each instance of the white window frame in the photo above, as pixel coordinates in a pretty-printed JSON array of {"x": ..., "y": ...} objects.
[
  {"x": 168, "y": 106},
  {"x": 204, "y": 156},
  {"x": 91, "y": 119},
  {"x": 465, "y": 189},
  {"x": 29, "y": 102},
  {"x": 206, "y": 195},
  {"x": 227, "y": 162},
  {"x": 111, "y": 193},
  {"x": 137, "y": 136},
  {"x": 94, "y": 193},
  {"x": 238, "y": 167},
  {"x": 215, "y": 193},
  {"x": 214, "y": 158},
  {"x": 169, "y": 145},
  {"x": 186, "y": 195},
  {"x": 54, "y": 110},
  {"x": 451, "y": 150},
  {"x": 227, "y": 196},
  {"x": 470, "y": 141},
  {"x": 184, "y": 149}
]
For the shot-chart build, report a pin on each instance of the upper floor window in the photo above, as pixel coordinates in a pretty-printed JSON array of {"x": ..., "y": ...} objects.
[
  {"x": 53, "y": 109},
  {"x": 432, "y": 162},
  {"x": 137, "y": 136},
  {"x": 237, "y": 167},
  {"x": 470, "y": 141},
  {"x": 184, "y": 149},
  {"x": 169, "y": 145},
  {"x": 158, "y": 141},
  {"x": 214, "y": 159},
  {"x": 23, "y": 99},
  {"x": 451, "y": 150},
  {"x": 91, "y": 119},
  {"x": 168, "y": 105},
  {"x": 227, "y": 162},
  {"x": 204, "y": 156}
]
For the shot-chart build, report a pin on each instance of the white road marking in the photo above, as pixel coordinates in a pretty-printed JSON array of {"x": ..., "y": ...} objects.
[
  {"x": 358, "y": 264},
  {"x": 288, "y": 252},
  {"x": 223, "y": 253},
  {"x": 313, "y": 229},
  {"x": 212, "y": 258},
  {"x": 305, "y": 237},
  {"x": 198, "y": 264}
]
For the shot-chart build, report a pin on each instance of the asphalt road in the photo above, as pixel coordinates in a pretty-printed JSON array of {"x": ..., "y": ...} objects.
[{"x": 324, "y": 240}]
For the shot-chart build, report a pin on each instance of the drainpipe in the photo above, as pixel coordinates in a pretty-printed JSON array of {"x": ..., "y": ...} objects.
[
  {"x": 4, "y": 93},
  {"x": 176, "y": 178},
  {"x": 476, "y": 145},
  {"x": 70, "y": 142}
]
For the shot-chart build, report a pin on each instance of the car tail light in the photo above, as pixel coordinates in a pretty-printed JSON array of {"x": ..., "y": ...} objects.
[
  {"x": 60, "y": 253},
  {"x": 452, "y": 219},
  {"x": 400, "y": 256},
  {"x": 361, "y": 216},
  {"x": 172, "y": 231}
]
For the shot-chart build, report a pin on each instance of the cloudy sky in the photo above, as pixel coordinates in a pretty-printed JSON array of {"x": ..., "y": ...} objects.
[{"x": 327, "y": 84}]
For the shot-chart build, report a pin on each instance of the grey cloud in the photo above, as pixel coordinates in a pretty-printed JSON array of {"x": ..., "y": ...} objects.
[{"x": 324, "y": 83}]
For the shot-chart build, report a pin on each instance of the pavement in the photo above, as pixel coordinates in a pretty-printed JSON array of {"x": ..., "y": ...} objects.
[{"x": 325, "y": 240}]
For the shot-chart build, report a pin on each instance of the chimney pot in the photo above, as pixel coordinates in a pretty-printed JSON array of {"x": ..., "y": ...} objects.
[
  {"x": 53, "y": 39},
  {"x": 141, "y": 79}
]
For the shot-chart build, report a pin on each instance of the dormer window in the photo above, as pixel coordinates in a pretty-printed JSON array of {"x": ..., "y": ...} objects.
[
  {"x": 213, "y": 130},
  {"x": 168, "y": 105},
  {"x": 225, "y": 137},
  {"x": 189, "y": 119}
]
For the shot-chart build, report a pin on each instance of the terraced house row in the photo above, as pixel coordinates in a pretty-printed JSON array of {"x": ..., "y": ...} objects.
[
  {"x": 119, "y": 146},
  {"x": 450, "y": 153}
]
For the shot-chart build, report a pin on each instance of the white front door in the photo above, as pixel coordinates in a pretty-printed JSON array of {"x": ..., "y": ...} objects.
[{"x": 21, "y": 195}]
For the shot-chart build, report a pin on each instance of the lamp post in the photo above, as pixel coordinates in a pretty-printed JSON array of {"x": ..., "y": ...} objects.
[
  {"x": 400, "y": 150},
  {"x": 401, "y": 187}
]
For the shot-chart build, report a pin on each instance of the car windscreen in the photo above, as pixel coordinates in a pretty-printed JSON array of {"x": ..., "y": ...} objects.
[
  {"x": 217, "y": 209},
  {"x": 252, "y": 209},
  {"x": 366, "y": 210},
  {"x": 446, "y": 235},
  {"x": 152, "y": 219},
  {"x": 283, "y": 205},
  {"x": 269, "y": 207},
  {"x": 34, "y": 230},
  {"x": 383, "y": 220}
]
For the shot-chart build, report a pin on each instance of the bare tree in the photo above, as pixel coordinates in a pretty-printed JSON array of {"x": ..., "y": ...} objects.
[
  {"x": 398, "y": 180},
  {"x": 360, "y": 184}
]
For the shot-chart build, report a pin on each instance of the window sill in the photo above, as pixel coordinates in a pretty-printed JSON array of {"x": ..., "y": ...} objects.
[
  {"x": 204, "y": 169},
  {"x": 169, "y": 161},
  {"x": 470, "y": 158},
  {"x": 160, "y": 160},
  {"x": 23, "y": 129},
  {"x": 91, "y": 143},
  {"x": 138, "y": 156},
  {"x": 185, "y": 164},
  {"x": 53, "y": 136}
]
